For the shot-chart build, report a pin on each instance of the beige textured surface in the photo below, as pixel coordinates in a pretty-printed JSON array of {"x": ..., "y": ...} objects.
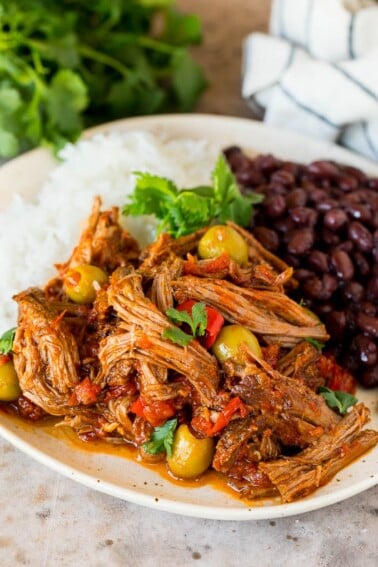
[{"x": 225, "y": 24}]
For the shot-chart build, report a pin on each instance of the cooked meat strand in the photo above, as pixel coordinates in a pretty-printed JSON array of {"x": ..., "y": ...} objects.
[
  {"x": 264, "y": 312},
  {"x": 193, "y": 362},
  {"x": 302, "y": 363},
  {"x": 138, "y": 312},
  {"x": 235, "y": 435},
  {"x": 300, "y": 475},
  {"x": 46, "y": 356},
  {"x": 161, "y": 289},
  {"x": 103, "y": 242},
  {"x": 266, "y": 390},
  {"x": 258, "y": 253}
]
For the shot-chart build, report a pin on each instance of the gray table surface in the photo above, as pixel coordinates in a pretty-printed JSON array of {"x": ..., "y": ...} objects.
[{"x": 48, "y": 520}]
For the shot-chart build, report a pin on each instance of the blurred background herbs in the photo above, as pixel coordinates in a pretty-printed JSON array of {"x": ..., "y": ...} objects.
[{"x": 71, "y": 64}]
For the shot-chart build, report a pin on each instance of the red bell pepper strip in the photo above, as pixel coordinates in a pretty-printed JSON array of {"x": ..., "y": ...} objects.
[
  {"x": 215, "y": 322},
  {"x": 210, "y": 429}
]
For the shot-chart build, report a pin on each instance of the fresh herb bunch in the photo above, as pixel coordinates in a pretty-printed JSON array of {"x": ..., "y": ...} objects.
[
  {"x": 182, "y": 211},
  {"x": 71, "y": 64}
]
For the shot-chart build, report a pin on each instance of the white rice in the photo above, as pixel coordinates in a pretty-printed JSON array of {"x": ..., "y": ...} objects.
[{"x": 34, "y": 235}]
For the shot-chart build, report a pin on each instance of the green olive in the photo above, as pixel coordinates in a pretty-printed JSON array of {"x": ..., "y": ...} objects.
[
  {"x": 229, "y": 340},
  {"x": 190, "y": 456},
  {"x": 221, "y": 238},
  {"x": 81, "y": 283},
  {"x": 9, "y": 386}
]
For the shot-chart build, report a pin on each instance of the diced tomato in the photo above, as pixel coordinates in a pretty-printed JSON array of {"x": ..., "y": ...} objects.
[
  {"x": 336, "y": 377},
  {"x": 215, "y": 322},
  {"x": 85, "y": 393},
  {"x": 4, "y": 358},
  {"x": 156, "y": 413}
]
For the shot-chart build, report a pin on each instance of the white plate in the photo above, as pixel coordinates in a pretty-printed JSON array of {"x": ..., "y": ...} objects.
[{"x": 124, "y": 478}]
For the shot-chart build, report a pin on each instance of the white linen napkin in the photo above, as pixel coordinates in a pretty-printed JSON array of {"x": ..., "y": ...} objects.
[{"x": 318, "y": 73}]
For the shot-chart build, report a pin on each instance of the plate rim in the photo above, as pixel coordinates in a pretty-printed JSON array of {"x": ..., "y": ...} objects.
[{"x": 305, "y": 505}]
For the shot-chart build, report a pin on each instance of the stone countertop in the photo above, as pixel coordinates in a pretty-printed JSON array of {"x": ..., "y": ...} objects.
[{"x": 50, "y": 521}]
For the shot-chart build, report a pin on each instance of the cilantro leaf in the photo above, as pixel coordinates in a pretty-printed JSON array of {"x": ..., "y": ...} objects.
[
  {"x": 339, "y": 400},
  {"x": 197, "y": 322},
  {"x": 161, "y": 439},
  {"x": 315, "y": 343},
  {"x": 178, "y": 336},
  {"x": 73, "y": 64},
  {"x": 199, "y": 315},
  {"x": 181, "y": 212},
  {"x": 6, "y": 341}
]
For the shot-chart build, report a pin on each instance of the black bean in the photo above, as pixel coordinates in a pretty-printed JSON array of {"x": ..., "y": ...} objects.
[
  {"x": 366, "y": 350},
  {"x": 372, "y": 289},
  {"x": 342, "y": 264},
  {"x": 324, "y": 169},
  {"x": 354, "y": 291},
  {"x": 267, "y": 163},
  {"x": 284, "y": 225},
  {"x": 326, "y": 205},
  {"x": 329, "y": 285},
  {"x": 296, "y": 198},
  {"x": 268, "y": 237},
  {"x": 319, "y": 261},
  {"x": 330, "y": 237},
  {"x": 360, "y": 212},
  {"x": 284, "y": 177},
  {"x": 313, "y": 287},
  {"x": 336, "y": 323},
  {"x": 361, "y": 236},
  {"x": 301, "y": 274},
  {"x": 373, "y": 183},
  {"x": 369, "y": 377},
  {"x": 347, "y": 246},
  {"x": 355, "y": 172},
  {"x": 361, "y": 263},
  {"x": 347, "y": 183},
  {"x": 317, "y": 195},
  {"x": 334, "y": 219},
  {"x": 304, "y": 216},
  {"x": 276, "y": 189},
  {"x": 274, "y": 206},
  {"x": 301, "y": 241},
  {"x": 367, "y": 324},
  {"x": 368, "y": 308}
]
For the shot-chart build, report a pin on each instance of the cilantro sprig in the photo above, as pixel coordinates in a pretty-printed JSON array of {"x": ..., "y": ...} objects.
[
  {"x": 197, "y": 323},
  {"x": 70, "y": 64},
  {"x": 161, "y": 439},
  {"x": 337, "y": 399},
  {"x": 183, "y": 211},
  {"x": 6, "y": 341}
]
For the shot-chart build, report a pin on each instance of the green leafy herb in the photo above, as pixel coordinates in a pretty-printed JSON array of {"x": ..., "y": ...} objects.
[
  {"x": 6, "y": 341},
  {"x": 183, "y": 211},
  {"x": 197, "y": 322},
  {"x": 338, "y": 399},
  {"x": 70, "y": 64},
  {"x": 315, "y": 343},
  {"x": 161, "y": 439},
  {"x": 177, "y": 336}
]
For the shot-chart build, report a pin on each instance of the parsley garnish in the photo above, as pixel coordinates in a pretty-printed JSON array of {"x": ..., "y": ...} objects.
[
  {"x": 197, "y": 323},
  {"x": 315, "y": 343},
  {"x": 161, "y": 439},
  {"x": 183, "y": 211},
  {"x": 338, "y": 399},
  {"x": 6, "y": 341}
]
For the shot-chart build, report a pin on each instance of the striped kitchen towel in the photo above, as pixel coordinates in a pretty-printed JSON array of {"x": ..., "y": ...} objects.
[{"x": 318, "y": 73}]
